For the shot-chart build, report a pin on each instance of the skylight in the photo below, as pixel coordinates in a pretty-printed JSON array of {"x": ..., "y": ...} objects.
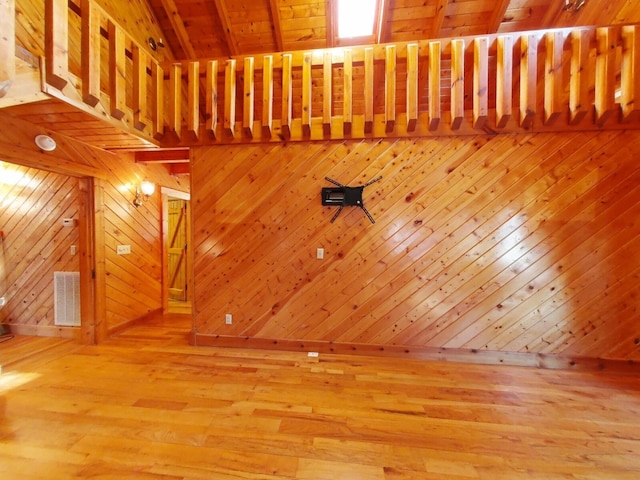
[{"x": 356, "y": 18}]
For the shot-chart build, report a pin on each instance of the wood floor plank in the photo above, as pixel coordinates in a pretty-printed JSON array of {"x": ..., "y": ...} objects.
[{"x": 147, "y": 405}]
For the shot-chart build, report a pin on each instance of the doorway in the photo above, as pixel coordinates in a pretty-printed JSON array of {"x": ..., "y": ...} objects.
[{"x": 177, "y": 220}]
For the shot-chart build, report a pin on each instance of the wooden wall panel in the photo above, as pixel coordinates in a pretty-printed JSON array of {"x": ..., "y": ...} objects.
[
  {"x": 131, "y": 283},
  {"x": 35, "y": 244},
  {"x": 134, "y": 16},
  {"x": 513, "y": 243}
]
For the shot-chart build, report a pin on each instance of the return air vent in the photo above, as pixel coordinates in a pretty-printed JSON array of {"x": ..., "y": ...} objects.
[{"x": 66, "y": 293}]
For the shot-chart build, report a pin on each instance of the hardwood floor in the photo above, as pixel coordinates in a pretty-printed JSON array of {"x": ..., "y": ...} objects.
[{"x": 147, "y": 405}]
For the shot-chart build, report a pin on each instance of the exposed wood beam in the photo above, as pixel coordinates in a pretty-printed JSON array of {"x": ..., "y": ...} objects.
[
  {"x": 223, "y": 15},
  {"x": 178, "y": 27},
  {"x": 441, "y": 9},
  {"x": 382, "y": 30},
  {"x": 498, "y": 15},
  {"x": 330, "y": 17},
  {"x": 277, "y": 24},
  {"x": 176, "y": 169},
  {"x": 163, "y": 156}
]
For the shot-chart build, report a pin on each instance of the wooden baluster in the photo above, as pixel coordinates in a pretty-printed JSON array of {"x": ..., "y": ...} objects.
[
  {"x": 287, "y": 95},
  {"x": 193, "y": 101},
  {"x": 56, "y": 43},
  {"x": 90, "y": 53},
  {"x": 326, "y": 93},
  {"x": 457, "y": 83},
  {"x": 390, "y": 88},
  {"x": 140, "y": 61},
  {"x": 175, "y": 100},
  {"x": 267, "y": 95},
  {"x": 504, "y": 80},
  {"x": 553, "y": 76},
  {"x": 307, "y": 91},
  {"x": 347, "y": 108},
  {"x": 212, "y": 98},
  {"x": 605, "y": 75},
  {"x": 480, "y": 82},
  {"x": 412, "y": 86},
  {"x": 630, "y": 81},
  {"x": 578, "y": 84},
  {"x": 117, "y": 71},
  {"x": 230, "y": 97},
  {"x": 435, "y": 107},
  {"x": 528, "y": 76},
  {"x": 248, "y": 90},
  {"x": 157, "y": 109},
  {"x": 368, "y": 90}
]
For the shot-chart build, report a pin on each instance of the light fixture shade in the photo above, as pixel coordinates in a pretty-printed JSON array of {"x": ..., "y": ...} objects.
[
  {"x": 147, "y": 188},
  {"x": 45, "y": 143}
]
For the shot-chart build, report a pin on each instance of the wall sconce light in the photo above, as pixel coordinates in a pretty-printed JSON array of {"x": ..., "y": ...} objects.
[{"x": 143, "y": 192}]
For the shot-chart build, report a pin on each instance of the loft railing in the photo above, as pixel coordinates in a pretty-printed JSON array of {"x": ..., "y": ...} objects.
[{"x": 583, "y": 78}]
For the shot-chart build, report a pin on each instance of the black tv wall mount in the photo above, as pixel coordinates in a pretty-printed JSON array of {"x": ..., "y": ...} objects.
[{"x": 344, "y": 196}]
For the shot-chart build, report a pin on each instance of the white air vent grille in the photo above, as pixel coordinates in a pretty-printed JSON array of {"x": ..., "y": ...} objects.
[{"x": 66, "y": 294}]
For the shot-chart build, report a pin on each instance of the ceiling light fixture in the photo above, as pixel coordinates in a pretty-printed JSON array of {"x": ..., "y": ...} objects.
[{"x": 45, "y": 143}]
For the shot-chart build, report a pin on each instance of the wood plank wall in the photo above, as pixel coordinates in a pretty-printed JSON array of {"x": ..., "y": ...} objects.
[
  {"x": 510, "y": 243},
  {"x": 35, "y": 244},
  {"x": 132, "y": 15},
  {"x": 131, "y": 283}
]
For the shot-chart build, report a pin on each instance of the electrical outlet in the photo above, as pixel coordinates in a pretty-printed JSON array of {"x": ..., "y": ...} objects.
[
  {"x": 313, "y": 354},
  {"x": 123, "y": 249},
  {"x": 228, "y": 319},
  {"x": 73, "y": 249},
  {"x": 320, "y": 253},
  {"x": 3, "y": 301}
]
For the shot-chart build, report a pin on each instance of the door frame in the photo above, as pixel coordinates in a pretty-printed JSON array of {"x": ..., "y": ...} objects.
[{"x": 166, "y": 194}]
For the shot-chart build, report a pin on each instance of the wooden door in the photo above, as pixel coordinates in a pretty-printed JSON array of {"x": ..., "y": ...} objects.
[{"x": 177, "y": 249}]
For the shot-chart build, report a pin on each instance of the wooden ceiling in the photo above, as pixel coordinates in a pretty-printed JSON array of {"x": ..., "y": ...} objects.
[{"x": 220, "y": 28}]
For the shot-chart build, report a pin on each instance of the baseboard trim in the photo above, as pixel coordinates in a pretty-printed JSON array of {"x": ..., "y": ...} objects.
[
  {"x": 45, "y": 331},
  {"x": 486, "y": 357}
]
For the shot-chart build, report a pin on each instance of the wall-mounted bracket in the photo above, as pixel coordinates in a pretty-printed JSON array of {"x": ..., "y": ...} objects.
[{"x": 344, "y": 196}]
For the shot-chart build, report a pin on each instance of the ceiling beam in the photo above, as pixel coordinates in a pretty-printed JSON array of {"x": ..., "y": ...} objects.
[
  {"x": 177, "y": 24},
  {"x": 277, "y": 28},
  {"x": 176, "y": 169},
  {"x": 330, "y": 16},
  {"x": 441, "y": 10},
  {"x": 498, "y": 15},
  {"x": 382, "y": 28},
  {"x": 225, "y": 22},
  {"x": 163, "y": 156}
]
